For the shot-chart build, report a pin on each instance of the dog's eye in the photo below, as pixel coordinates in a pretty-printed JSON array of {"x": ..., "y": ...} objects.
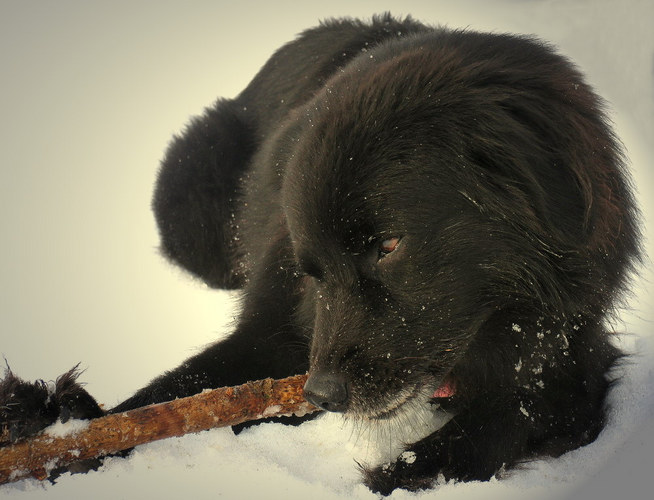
[{"x": 388, "y": 246}]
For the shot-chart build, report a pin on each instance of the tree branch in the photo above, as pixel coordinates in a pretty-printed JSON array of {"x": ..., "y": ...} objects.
[{"x": 222, "y": 407}]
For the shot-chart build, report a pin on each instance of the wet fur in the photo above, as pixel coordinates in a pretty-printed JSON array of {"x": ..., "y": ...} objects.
[{"x": 492, "y": 160}]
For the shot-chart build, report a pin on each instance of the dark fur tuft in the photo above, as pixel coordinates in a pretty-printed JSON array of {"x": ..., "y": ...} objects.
[{"x": 29, "y": 407}]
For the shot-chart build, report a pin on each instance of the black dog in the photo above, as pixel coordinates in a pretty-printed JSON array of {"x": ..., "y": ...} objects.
[{"x": 421, "y": 218}]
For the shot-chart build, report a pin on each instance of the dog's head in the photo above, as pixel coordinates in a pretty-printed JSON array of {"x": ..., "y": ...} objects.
[{"x": 429, "y": 187}]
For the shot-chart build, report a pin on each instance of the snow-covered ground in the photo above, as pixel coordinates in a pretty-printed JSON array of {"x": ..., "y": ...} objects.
[{"x": 92, "y": 92}]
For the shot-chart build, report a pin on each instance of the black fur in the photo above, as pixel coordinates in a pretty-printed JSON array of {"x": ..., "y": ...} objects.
[
  {"x": 407, "y": 208},
  {"x": 26, "y": 408}
]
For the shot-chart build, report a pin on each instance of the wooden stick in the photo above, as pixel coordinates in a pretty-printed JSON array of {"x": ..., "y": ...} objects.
[{"x": 227, "y": 406}]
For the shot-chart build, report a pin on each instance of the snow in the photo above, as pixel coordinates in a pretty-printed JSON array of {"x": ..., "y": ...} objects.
[
  {"x": 92, "y": 92},
  {"x": 63, "y": 429}
]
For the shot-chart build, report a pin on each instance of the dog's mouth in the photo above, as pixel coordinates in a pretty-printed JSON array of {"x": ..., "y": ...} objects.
[
  {"x": 421, "y": 393},
  {"x": 404, "y": 398}
]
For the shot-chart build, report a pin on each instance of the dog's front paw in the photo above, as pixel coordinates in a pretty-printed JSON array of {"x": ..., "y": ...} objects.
[
  {"x": 27, "y": 408},
  {"x": 410, "y": 472}
]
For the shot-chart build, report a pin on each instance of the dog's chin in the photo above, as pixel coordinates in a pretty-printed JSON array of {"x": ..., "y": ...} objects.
[{"x": 405, "y": 417}]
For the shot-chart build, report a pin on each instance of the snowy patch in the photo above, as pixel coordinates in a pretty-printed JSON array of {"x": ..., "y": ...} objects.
[
  {"x": 408, "y": 457},
  {"x": 272, "y": 410},
  {"x": 59, "y": 429}
]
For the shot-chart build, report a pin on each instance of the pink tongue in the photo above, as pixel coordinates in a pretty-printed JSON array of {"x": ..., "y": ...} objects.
[{"x": 446, "y": 390}]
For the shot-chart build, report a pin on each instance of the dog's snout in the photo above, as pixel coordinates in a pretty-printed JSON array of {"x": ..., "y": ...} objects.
[{"x": 327, "y": 390}]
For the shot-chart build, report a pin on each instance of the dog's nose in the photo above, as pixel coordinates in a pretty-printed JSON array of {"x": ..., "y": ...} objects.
[{"x": 327, "y": 390}]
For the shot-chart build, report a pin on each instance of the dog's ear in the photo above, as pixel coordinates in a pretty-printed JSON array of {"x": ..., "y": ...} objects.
[
  {"x": 579, "y": 179},
  {"x": 539, "y": 192},
  {"x": 560, "y": 198},
  {"x": 555, "y": 155}
]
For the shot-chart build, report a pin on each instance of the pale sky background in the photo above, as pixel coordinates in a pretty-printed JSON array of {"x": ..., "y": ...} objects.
[{"x": 91, "y": 93}]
